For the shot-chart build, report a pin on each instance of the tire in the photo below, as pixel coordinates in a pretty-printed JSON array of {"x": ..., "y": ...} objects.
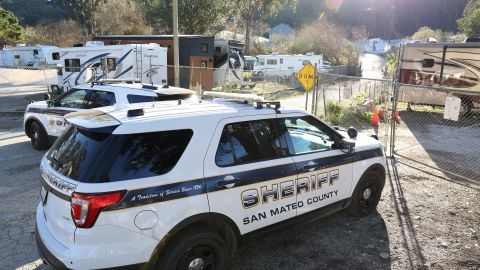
[
  {"x": 366, "y": 195},
  {"x": 56, "y": 90},
  {"x": 466, "y": 107},
  {"x": 38, "y": 136},
  {"x": 193, "y": 249}
]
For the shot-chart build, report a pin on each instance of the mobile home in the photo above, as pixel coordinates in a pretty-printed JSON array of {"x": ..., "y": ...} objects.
[
  {"x": 147, "y": 63},
  {"x": 32, "y": 55},
  {"x": 229, "y": 62},
  {"x": 450, "y": 65},
  {"x": 284, "y": 65}
]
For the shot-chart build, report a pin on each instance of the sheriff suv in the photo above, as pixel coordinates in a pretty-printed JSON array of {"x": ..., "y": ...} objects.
[
  {"x": 44, "y": 120},
  {"x": 178, "y": 185}
]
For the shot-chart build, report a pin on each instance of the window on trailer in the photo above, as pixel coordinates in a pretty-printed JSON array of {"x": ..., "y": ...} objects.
[
  {"x": 111, "y": 64},
  {"x": 72, "y": 65},
  {"x": 271, "y": 61}
]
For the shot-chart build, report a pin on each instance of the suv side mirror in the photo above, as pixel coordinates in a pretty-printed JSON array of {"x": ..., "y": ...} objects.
[{"x": 348, "y": 145}]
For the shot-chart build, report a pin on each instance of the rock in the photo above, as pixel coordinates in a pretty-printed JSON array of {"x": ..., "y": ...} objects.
[
  {"x": 452, "y": 213},
  {"x": 417, "y": 217},
  {"x": 384, "y": 255},
  {"x": 444, "y": 244}
]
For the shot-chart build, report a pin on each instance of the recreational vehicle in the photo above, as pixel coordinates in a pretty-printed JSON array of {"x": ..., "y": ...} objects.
[
  {"x": 23, "y": 56},
  {"x": 6, "y": 59},
  {"x": 145, "y": 62},
  {"x": 284, "y": 65},
  {"x": 228, "y": 62},
  {"x": 448, "y": 65}
]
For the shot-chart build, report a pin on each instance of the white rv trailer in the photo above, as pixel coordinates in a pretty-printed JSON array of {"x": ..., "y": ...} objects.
[
  {"x": 449, "y": 65},
  {"x": 284, "y": 65},
  {"x": 79, "y": 65},
  {"x": 6, "y": 59},
  {"x": 228, "y": 62},
  {"x": 32, "y": 55}
]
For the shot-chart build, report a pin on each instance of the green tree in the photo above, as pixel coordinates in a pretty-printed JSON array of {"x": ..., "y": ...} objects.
[
  {"x": 83, "y": 11},
  {"x": 194, "y": 16},
  {"x": 250, "y": 10},
  {"x": 10, "y": 30},
  {"x": 424, "y": 33},
  {"x": 469, "y": 24}
]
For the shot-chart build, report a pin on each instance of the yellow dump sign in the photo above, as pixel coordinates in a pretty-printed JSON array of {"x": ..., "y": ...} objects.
[{"x": 306, "y": 76}]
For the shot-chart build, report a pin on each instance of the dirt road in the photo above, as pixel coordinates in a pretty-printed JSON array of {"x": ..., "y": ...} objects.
[{"x": 423, "y": 222}]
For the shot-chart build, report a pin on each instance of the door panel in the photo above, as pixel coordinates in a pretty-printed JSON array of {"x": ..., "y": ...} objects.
[
  {"x": 72, "y": 101},
  {"x": 253, "y": 193},
  {"x": 324, "y": 172}
]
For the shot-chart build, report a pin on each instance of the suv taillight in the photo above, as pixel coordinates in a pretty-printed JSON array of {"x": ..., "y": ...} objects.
[{"x": 85, "y": 208}]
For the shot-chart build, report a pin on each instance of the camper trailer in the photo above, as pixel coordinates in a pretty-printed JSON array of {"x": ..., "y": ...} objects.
[
  {"x": 27, "y": 56},
  {"x": 6, "y": 59},
  {"x": 228, "y": 62},
  {"x": 145, "y": 62},
  {"x": 284, "y": 65},
  {"x": 448, "y": 65}
]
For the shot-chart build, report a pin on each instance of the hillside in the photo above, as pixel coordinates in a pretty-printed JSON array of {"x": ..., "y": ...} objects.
[
  {"x": 383, "y": 18},
  {"x": 31, "y": 12}
]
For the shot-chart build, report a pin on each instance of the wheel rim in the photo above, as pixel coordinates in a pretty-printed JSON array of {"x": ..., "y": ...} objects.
[
  {"x": 368, "y": 196},
  {"x": 34, "y": 136},
  {"x": 198, "y": 258}
]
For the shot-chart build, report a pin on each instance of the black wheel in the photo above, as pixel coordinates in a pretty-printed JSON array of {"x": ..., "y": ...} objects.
[
  {"x": 56, "y": 90},
  {"x": 199, "y": 249},
  {"x": 366, "y": 195},
  {"x": 38, "y": 137},
  {"x": 466, "y": 107}
]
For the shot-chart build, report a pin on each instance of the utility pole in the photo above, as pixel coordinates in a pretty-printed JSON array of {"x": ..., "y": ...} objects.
[{"x": 176, "y": 55}]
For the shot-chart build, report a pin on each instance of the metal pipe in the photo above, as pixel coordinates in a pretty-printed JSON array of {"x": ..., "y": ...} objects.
[{"x": 176, "y": 53}]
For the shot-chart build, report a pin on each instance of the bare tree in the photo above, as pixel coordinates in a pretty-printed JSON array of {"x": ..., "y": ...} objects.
[
  {"x": 248, "y": 9},
  {"x": 127, "y": 20}
]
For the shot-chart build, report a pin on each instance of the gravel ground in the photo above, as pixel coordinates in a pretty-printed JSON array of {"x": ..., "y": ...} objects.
[{"x": 425, "y": 220}]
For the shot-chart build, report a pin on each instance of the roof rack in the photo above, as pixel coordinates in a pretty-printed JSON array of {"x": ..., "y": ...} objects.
[
  {"x": 268, "y": 104},
  {"x": 239, "y": 97},
  {"x": 111, "y": 81}
]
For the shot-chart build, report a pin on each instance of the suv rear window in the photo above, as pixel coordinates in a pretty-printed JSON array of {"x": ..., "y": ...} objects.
[{"x": 92, "y": 157}]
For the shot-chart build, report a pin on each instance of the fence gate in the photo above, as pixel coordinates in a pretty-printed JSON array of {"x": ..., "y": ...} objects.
[{"x": 432, "y": 135}]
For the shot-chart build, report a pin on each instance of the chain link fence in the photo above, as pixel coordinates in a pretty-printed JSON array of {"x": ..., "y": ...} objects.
[
  {"x": 412, "y": 126},
  {"x": 438, "y": 135}
]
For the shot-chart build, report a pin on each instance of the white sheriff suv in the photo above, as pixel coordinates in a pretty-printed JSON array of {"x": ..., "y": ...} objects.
[
  {"x": 44, "y": 120},
  {"x": 179, "y": 185}
]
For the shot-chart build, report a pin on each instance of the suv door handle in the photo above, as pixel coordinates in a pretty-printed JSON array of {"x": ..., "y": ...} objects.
[
  {"x": 310, "y": 166},
  {"x": 228, "y": 182}
]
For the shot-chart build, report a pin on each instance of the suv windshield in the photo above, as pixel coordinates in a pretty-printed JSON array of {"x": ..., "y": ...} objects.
[{"x": 94, "y": 157}]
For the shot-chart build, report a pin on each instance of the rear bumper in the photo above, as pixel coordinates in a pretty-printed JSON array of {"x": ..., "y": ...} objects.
[
  {"x": 46, "y": 255},
  {"x": 101, "y": 247}
]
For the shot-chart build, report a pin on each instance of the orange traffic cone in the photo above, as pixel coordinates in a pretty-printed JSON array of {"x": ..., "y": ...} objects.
[{"x": 375, "y": 118}]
